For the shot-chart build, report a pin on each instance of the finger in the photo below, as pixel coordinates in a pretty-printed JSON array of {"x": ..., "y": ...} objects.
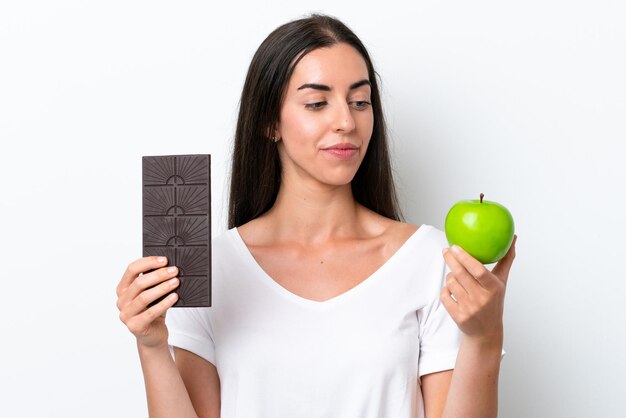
[
  {"x": 460, "y": 272},
  {"x": 137, "y": 267},
  {"x": 458, "y": 292},
  {"x": 159, "y": 309},
  {"x": 451, "y": 280},
  {"x": 474, "y": 268},
  {"x": 143, "y": 282},
  {"x": 504, "y": 265},
  {"x": 448, "y": 302},
  {"x": 139, "y": 324},
  {"x": 145, "y": 298}
]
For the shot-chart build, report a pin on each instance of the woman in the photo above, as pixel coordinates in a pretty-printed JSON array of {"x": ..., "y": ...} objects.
[{"x": 324, "y": 303}]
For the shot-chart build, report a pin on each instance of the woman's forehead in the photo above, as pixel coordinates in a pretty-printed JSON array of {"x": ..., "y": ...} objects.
[{"x": 339, "y": 64}]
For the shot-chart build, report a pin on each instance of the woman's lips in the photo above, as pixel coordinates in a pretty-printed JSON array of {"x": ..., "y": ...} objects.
[{"x": 342, "y": 153}]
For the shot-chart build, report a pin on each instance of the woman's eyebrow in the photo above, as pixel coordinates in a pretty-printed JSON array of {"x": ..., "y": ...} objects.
[{"x": 324, "y": 87}]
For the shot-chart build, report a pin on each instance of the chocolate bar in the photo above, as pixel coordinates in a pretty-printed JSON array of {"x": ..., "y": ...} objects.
[{"x": 177, "y": 221}]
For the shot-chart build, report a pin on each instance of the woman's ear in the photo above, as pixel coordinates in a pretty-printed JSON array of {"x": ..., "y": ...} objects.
[{"x": 273, "y": 133}]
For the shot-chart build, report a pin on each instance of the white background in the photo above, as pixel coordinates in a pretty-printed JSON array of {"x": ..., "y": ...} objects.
[{"x": 522, "y": 101}]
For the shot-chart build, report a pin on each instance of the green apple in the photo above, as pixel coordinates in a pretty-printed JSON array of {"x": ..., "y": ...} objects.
[{"x": 483, "y": 229}]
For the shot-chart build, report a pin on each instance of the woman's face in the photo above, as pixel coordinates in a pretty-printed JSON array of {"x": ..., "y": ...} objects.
[{"x": 326, "y": 119}]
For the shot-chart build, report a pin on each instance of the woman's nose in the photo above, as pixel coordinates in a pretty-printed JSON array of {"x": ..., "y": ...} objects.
[{"x": 343, "y": 120}]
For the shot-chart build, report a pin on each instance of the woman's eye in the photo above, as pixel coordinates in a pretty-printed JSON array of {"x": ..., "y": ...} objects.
[
  {"x": 315, "y": 106},
  {"x": 361, "y": 104},
  {"x": 357, "y": 104}
]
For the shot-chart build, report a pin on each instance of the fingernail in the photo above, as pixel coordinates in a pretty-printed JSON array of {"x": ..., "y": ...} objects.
[
  {"x": 161, "y": 260},
  {"x": 445, "y": 250},
  {"x": 171, "y": 269},
  {"x": 456, "y": 249}
]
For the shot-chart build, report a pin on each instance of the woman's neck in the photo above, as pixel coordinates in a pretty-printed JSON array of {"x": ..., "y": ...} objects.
[{"x": 314, "y": 215}]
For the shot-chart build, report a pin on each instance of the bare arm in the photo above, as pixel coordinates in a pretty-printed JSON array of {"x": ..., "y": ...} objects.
[
  {"x": 474, "y": 386},
  {"x": 474, "y": 297},
  {"x": 165, "y": 390},
  {"x": 471, "y": 390},
  {"x": 202, "y": 382},
  {"x": 435, "y": 391}
]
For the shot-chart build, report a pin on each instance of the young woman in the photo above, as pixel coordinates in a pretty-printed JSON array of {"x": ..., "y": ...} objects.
[{"x": 324, "y": 303}]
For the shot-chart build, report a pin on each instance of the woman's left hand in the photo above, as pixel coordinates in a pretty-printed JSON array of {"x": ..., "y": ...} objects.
[{"x": 477, "y": 303}]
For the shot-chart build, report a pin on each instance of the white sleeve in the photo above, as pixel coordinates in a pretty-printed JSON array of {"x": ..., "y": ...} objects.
[
  {"x": 440, "y": 337},
  {"x": 190, "y": 329}
]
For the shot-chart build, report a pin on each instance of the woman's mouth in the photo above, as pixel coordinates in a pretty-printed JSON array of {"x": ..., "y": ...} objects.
[{"x": 342, "y": 153}]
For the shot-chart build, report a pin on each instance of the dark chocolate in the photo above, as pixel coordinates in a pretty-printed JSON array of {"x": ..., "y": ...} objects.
[{"x": 177, "y": 221}]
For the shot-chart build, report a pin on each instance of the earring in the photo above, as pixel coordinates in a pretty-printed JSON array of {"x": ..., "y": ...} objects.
[{"x": 274, "y": 139}]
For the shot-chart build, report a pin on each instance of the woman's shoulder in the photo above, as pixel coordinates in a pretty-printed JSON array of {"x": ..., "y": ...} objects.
[
  {"x": 225, "y": 242},
  {"x": 396, "y": 233},
  {"x": 399, "y": 232},
  {"x": 388, "y": 228}
]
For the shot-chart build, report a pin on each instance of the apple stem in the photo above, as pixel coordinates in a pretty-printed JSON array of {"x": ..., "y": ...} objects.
[{"x": 481, "y": 197}]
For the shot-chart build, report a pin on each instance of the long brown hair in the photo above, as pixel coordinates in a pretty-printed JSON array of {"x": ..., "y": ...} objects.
[{"x": 256, "y": 168}]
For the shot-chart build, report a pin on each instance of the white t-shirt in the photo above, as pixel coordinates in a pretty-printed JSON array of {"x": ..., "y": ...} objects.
[{"x": 357, "y": 355}]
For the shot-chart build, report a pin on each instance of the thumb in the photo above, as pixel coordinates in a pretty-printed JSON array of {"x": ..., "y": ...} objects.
[{"x": 504, "y": 265}]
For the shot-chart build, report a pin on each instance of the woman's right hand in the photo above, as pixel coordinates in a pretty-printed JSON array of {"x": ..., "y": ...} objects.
[{"x": 137, "y": 289}]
